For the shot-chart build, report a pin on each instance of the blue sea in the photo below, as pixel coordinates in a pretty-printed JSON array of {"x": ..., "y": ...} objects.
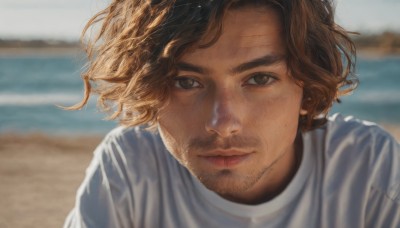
[{"x": 31, "y": 87}]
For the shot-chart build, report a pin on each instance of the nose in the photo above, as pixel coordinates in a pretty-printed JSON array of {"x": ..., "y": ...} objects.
[{"x": 224, "y": 119}]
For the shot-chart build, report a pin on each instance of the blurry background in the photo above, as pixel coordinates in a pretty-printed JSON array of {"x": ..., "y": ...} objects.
[{"x": 44, "y": 150}]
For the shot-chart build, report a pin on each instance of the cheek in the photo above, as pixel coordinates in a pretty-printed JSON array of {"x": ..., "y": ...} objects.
[
  {"x": 175, "y": 125},
  {"x": 172, "y": 141},
  {"x": 277, "y": 117},
  {"x": 277, "y": 107},
  {"x": 175, "y": 121},
  {"x": 169, "y": 128},
  {"x": 182, "y": 115}
]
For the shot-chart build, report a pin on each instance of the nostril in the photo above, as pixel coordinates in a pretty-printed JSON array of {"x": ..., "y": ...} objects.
[
  {"x": 223, "y": 125},
  {"x": 223, "y": 116}
]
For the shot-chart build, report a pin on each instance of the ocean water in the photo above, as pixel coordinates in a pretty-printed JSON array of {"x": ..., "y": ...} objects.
[
  {"x": 377, "y": 97},
  {"x": 31, "y": 87}
]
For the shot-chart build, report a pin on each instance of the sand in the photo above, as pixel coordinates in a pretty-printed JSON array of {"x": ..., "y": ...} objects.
[{"x": 40, "y": 174}]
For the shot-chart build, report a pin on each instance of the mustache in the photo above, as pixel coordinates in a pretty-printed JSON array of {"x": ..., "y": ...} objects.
[{"x": 214, "y": 142}]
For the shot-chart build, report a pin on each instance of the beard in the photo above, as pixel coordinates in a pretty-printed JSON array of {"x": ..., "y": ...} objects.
[
  {"x": 226, "y": 182},
  {"x": 235, "y": 183},
  {"x": 230, "y": 183}
]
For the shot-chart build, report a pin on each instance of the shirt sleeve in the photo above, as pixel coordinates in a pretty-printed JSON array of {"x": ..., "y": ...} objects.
[
  {"x": 383, "y": 208},
  {"x": 103, "y": 198}
]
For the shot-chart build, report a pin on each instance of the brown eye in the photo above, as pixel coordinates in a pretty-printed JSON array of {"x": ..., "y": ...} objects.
[
  {"x": 186, "y": 83},
  {"x": 260, "y": 79}
]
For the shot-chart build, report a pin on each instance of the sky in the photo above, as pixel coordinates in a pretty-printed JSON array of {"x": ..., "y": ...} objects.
[{"x": 65, "y": 19}]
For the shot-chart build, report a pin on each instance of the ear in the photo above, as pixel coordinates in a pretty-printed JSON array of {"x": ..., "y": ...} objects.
[{"x": 303, "y": 112}]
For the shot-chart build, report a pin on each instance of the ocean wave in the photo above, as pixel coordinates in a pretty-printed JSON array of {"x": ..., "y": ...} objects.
[{"x": 39, "y": 99}]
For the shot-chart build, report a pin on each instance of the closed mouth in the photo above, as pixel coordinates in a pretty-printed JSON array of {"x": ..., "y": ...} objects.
[{"x": 226, "y": 158}]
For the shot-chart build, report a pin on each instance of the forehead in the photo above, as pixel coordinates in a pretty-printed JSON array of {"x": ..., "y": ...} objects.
[{"x": 246, "y": 32}]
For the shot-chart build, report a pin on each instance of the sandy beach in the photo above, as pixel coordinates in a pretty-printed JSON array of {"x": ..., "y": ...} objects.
[{"x": 39, "y": 176}]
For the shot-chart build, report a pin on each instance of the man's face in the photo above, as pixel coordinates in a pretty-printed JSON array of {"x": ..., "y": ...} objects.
[{"x": 233, "y": 112}]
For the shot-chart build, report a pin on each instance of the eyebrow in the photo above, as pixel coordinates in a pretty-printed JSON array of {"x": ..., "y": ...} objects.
[
  {"x": 184, "y": 66},
  {"x": 266, "y": 60}
]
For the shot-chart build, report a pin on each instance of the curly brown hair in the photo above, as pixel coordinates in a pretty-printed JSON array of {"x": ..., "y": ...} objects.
[{"x": 132, "y": 58}]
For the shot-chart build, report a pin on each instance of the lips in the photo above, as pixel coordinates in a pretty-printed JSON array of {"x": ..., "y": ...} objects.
[{"x": 226, "y": 158}]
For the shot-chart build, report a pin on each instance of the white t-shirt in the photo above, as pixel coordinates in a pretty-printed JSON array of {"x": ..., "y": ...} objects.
[{"x": 349, "y": 177}]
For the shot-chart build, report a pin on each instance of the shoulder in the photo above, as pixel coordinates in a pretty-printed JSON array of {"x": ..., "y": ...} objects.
[
  {"x": 132, "y": 138},
  {"x": 134, "y": 148},
  {"x": 363, "y": 149},
  {"x": 350, "y": 130},
  {"x": 358, "y": 137},
  {"x": 123, "y": 163},
  {"x": 346, "y": 134}
]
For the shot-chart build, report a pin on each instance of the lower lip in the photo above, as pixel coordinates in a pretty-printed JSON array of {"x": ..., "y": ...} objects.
[{"x": 226, "y": 161}]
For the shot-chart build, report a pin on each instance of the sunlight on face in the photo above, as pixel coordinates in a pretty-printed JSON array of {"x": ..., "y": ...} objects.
[{"x": 233, "y": 113}]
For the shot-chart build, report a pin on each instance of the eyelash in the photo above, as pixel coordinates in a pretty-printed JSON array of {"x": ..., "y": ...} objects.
[
  {"x": 270, "y": 79},
  {"x": 196, "y": 84},
  {"x": 178, "y": 80}
]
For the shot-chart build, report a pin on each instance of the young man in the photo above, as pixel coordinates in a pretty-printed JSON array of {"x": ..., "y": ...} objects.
[{"x": 236, "y": 93}]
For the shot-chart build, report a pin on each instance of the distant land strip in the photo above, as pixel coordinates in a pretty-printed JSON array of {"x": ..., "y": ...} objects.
[
  {"x": 37, "y": 43},
  {"x": 386, "y": 43}
]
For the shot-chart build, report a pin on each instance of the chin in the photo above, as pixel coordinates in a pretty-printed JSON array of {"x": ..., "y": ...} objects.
[{"x": 227, "y": 182}]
